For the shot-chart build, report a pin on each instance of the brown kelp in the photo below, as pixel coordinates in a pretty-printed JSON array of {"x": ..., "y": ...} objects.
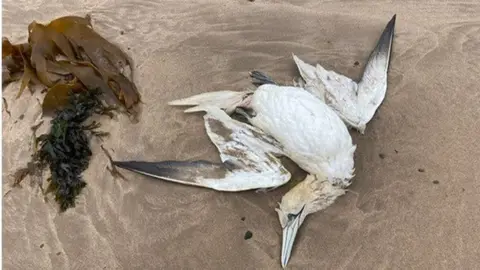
[
  {"x": 69, "y": 47},
  {"x": 83, "y": 74}
]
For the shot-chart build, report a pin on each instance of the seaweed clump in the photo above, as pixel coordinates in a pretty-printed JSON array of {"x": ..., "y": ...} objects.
[
  {"x": 83, "y": 74},
  {"x": 66, "y": 148}
]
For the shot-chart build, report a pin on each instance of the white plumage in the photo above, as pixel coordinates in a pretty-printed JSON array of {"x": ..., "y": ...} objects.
[
  {"x": 307, "y": 124},
  {"x": 355, "y": 103},
  {"x": 248, "y": 158},
  {"x": 303, "y": 127},
  {"x": 311, "y": 133}
]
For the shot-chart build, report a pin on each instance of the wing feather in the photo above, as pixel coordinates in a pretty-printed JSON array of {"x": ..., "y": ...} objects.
[{"x": 249, "y": 159}]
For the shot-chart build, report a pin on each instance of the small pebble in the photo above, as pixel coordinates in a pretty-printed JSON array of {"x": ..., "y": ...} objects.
[
  {"x": 42, "y": 245},
  {"x": 381, "y": 155},
  {"x": 243, "y": 218},
  {"x": 396, "y": 151},
  {"x": 21, "y": 116},
  {"x": 435, "y": 182},
  {"x": 58, "y": 253},
  {"x": 356, "y": 63},
  {"x": 248, "y": 235},
  {"x": 121, "y": 32},
  {"x": 421, "y": 170}
]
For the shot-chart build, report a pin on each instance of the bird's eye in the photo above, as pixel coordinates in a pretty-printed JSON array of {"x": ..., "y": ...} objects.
[{"x": 293, "y": 216}]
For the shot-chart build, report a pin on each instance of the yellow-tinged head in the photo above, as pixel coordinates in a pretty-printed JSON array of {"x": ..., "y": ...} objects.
[{"x": 313, "y": 194}]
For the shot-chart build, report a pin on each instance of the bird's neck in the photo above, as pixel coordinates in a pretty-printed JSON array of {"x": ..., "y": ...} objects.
[{"x": 325, "y": 194}]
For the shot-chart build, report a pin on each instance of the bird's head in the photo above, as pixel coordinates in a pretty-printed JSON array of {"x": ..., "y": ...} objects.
[{"x": 313, "y": 194}]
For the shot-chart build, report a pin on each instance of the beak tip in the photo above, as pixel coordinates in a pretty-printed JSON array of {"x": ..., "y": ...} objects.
[{"x": 285, "y": 258}]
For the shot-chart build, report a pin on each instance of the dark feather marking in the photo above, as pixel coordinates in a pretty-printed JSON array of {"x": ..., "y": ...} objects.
[
  {"x": 385, "y": 42},
  {"x": 179, "y": 170},
  {"x": 235, "y": 155},
  {"x": 217, "y": 127},
  {"x": 260, "y": 78}
]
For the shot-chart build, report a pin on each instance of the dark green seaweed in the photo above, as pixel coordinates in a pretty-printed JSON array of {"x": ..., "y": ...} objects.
[{"x": 66, "y": 148}]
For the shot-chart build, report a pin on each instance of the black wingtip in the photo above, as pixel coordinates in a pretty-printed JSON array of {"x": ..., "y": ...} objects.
[
  {"x": 389, "y": 31},
  {"x": 172, "y": 168},
  {"x": 124, "y": 164},
  {"x": 164, "y": 169},
  {"x": 137, "y": 166},
  {"x": 120, "y": 164},
  {"x": 183, "y": 172},
  {"x": 391, "y": 23},
  {"x": 384, "y": 44}
]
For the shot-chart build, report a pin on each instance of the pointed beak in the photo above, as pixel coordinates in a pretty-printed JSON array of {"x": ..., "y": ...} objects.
[{"x": 289, "y": 234}]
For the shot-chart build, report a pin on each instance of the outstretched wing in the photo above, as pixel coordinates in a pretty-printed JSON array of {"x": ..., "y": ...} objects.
[
  {"x": 373, "y": 85},
  {"x": 355, "y": 103},
  {"x": 248, "y": 159}
]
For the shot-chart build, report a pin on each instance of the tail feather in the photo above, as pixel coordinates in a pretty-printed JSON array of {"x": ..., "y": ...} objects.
[
  {"x": 260, "y": 78},
  {"x": 226, "y": 100}
]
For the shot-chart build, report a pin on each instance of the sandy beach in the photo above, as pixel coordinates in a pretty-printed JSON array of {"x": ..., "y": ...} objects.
[{"x": 415, "y": 200}]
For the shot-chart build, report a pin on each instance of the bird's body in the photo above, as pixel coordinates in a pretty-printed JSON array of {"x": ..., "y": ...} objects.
[
  {"x": 316, "y": 139},
  {"x": 295, "y": 123},
  {"x": 310, "y": 132},
  {"x": 287, "y": 121},
  {"x": 305, "y": 124}
]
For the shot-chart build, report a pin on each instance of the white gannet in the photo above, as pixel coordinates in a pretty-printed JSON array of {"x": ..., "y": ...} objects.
[
  {"x": 304, "y": 129},
  {"x": 306, "y": 126},
  {"x": 355, "y": 103}
]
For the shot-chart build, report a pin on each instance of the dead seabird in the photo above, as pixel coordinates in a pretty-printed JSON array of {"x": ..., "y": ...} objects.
[{"x": 301, "y": 126}]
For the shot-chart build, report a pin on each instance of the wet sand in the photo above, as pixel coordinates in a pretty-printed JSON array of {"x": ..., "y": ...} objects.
[{"x": 415, "y": 202}]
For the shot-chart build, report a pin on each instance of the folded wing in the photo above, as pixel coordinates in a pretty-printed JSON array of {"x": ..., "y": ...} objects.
[{"x": 249, "y": 159}]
